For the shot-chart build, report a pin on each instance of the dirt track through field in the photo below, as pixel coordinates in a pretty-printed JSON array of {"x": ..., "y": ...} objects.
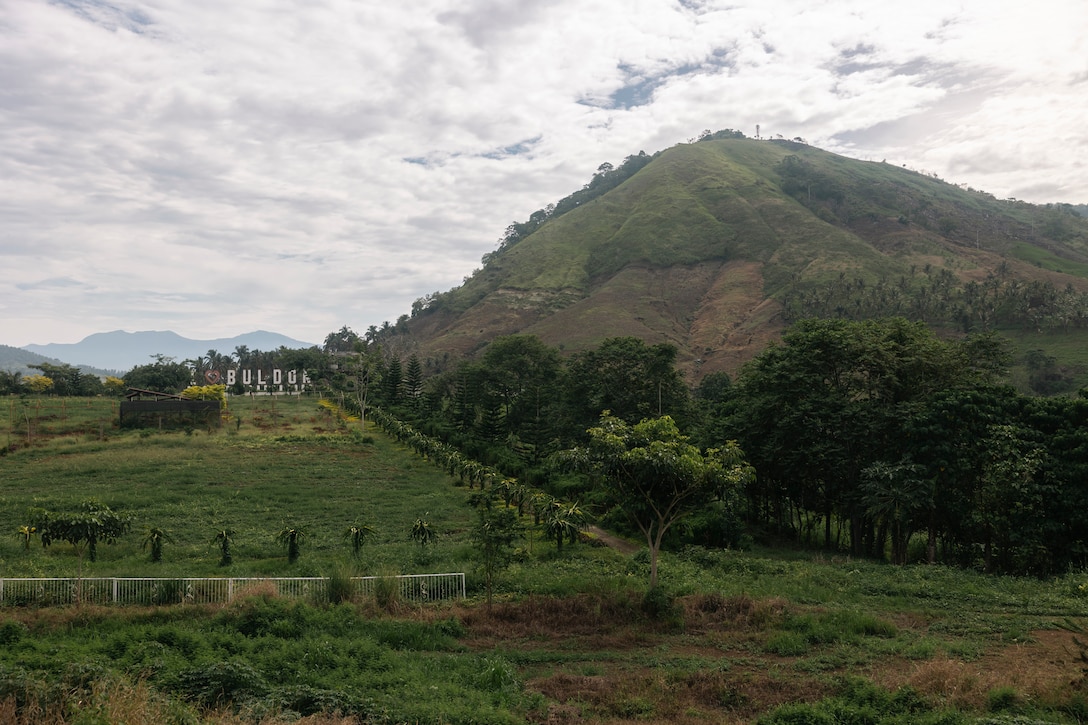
[{"x": 614, "y": 542}]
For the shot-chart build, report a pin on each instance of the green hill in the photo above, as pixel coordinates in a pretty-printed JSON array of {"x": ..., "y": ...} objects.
[
  {"x": 18, "y": 360},
  {"x": 716, "y": 246}
]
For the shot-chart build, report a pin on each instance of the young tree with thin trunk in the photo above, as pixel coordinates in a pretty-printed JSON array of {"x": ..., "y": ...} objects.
[
  {"x": 83, "y": 529},
  {"x": 494, "y": 534},
  {"x": 655, "y": 476}
]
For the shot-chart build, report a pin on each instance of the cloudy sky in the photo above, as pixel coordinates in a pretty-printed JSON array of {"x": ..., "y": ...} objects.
[{"x": 214, "y": 168}]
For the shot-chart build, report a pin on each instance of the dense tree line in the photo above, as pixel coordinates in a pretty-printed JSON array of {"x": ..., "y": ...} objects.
[
  {"x": 876, "y": 437},
  {"x": 66, "y": 380},
  {"x": 168, "y": 375},
  {"x": 865, "y": 433},
  {"x": 873, "y": 437},
  {"x": 520, "y": 401},
  {"x": 936, "y": 296}
]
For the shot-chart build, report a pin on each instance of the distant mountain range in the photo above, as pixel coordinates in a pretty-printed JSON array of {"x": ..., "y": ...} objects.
[{"x": 120, "y": 351}]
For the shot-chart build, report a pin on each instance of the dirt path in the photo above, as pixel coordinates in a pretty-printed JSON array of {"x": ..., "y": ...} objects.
[{"x": 621, "y": 545}]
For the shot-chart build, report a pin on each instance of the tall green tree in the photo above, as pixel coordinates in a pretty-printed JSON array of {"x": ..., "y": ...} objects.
[
  {"x": 898, "y": 497},
  {"x": 10, "y": 382},
  {"x": 467, "y": 387},
  {"x": 392, "y": 382},
  {"x": 945, "y": 434},
  {"x": 162, "y": 376},
  {"x": 413, "y": 379},
  {"x": 522, "y": 375},
  {"x": 652, "y": 473},
  {"x": 1010, "y": 502},
  {"x": 343, "y": 340},
  {"x": 626, "y": 376},
  {"x": 70, "y": 380},
  {"x": 354, "y": 376},
  {"x": 835, "y": 397}
]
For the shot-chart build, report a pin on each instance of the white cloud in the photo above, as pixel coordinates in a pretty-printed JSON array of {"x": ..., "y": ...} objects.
[{"x": 215, "y": 167}]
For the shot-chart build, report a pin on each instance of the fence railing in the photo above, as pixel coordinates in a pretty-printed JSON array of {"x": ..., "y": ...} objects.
[{"x": 218, "y": 590}]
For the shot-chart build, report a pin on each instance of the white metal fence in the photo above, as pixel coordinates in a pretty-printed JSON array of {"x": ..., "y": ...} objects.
[{"x": 123, "y": 590}]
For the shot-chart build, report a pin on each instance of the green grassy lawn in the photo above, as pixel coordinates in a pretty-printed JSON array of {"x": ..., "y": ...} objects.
[
  {"x": 569, "y": 637},
  {"x": 254, "y": 478}
]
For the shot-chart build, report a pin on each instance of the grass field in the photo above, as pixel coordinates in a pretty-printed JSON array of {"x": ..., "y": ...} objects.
[
  {"x": 572, "y": 636},
  {"x": 264, "y": 470}
]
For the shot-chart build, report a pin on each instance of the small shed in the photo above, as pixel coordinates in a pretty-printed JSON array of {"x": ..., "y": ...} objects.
[{"x": 149, "y": 408}]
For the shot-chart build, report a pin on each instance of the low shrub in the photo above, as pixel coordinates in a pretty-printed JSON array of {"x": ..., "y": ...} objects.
[
  {"x": 838, "y": 626},
  {"x": 861, "y": 701},
  {"x": 786, "y": 644},
  {"x": 339, "y": 587},
  {"x": 387, "y": 593},
  {"x": 11, "y": 632},
  {"x": 1002, "y": 699},
  {"x": 219, "y": 683},
  {"x": 658, "y": 604}
]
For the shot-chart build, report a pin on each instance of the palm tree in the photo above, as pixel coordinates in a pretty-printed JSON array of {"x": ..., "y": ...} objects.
[
  {"x": 291, "y": 537},
  {"x": 896, "y": 495},
  {"x": 422, "y": 533},
  {"x": 358, "y": 533},
  {"x": 564, "y": 520},
  {"x": 154, "y": 539},
  {"x": 224, "y": 539},
  {"x": 26, "y": 533}
]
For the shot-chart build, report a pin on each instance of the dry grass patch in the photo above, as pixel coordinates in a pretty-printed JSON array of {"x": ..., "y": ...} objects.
[
  {"x": 737, "y": 612},
  {"x": 542, "y": 617},
  {"x": 626, "y": 694},
  {"x": 107, "y": 702},
  {"x": 1049, "y": 669}
]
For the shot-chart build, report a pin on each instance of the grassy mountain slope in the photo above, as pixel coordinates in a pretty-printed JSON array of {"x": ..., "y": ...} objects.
[{"x": 715, "y": 246}]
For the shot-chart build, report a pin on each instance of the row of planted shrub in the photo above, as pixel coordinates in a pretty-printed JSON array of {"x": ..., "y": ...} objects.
[{"x": 562, "y": 520}]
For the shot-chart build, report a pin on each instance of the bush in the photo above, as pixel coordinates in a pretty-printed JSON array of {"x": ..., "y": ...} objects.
[
  {"x": 861, "y": 701},
  {"x": 170, "y": 591},
  {"x": 798, "y": 715},
  {"x": 658, "y": 604},
  {"x": 261, "y": 616},
  {"x": 219, "y": 683},
  {"x": 11, "y": 631},
  {"x": 387, "y": 592},
  {"x": 339, "y": 587},
  {"x": 1002, "y": 699},
  {"x": 306, "y": 700},
  {"x": 497, "y": 675},
  {"x": 838, "y": 626}
]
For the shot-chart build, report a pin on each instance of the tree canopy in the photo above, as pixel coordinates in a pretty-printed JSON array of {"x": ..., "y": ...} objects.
[
  {"x": 163, "y": 376},
  {"x": 91, "y": 523},
  {"x": 655, "y": 476}
]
